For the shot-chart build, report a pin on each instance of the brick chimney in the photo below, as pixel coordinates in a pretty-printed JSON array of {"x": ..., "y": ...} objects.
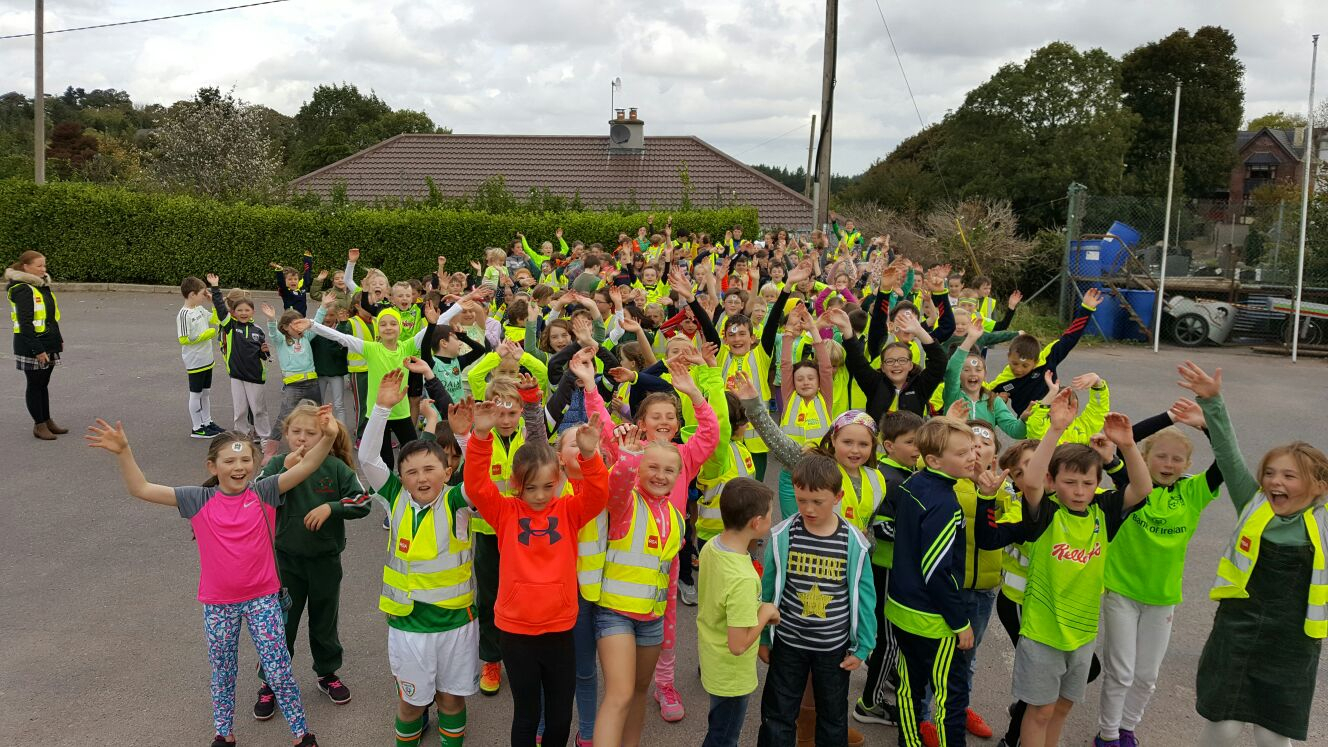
[{"x": 626, "y": 133}]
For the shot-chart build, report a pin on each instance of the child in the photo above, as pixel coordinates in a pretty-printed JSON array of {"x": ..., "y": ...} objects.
[
  {"x": 232, "y": 517},
  {"x": 1088, "y": 423},
  {"x": 193, "y": 327},
  {"x": 1067, "y": 540},
  {"x": 299, "y": 381},
  {"x": 899, "y": 442},
  {"x": 428, "y": 588},
  {"x": 1022, "y": 381},
  {"x": 715, "y": 474},
  {"x": 730, "y": 614},
  {"x": 1144, "y": 572},
  {"x": 292, "y": 286},
  {"x": 816, "y": 573},
  {"x": 310, "y": 537},
  {"x": 924, "y": 606},
  {"x": 332, "y": 361},
  {"x": 339, "y": 289},
  {"x": 537, "y": 595},
  {"x": 965, "y": 377},
  {"x": 495, "y": 270},
  {"x": 246, "y": 352},
  {"x": 1261, "y": 660},
  {"x": 900, "y": 384}
]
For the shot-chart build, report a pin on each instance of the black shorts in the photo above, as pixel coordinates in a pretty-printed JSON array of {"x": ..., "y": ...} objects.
[
  {"x": 415, "y": 385},
  {"x": 200, "y": 381}
]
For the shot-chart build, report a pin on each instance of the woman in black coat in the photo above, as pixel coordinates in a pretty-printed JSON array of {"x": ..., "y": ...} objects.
[{"x": 37, "y": 341}]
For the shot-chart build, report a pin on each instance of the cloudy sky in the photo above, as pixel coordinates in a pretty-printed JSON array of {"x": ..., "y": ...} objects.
[{"x": 742, "y": 74}]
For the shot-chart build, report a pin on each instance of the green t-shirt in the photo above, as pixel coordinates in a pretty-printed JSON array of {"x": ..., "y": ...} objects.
[
  {"x": 426, "y": 618},
  {"x": 1067, "y": 561},
  {"x": 1147, "y": 559},
  {"x": 380, "y": 362},
  {"x": 730, "y": 597}
]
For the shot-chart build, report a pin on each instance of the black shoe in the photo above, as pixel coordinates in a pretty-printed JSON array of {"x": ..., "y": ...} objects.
[
  {"x": 220, "y": 741},
  {"x": 387, "y": 522},
  {"x": 214, "y": 428},
  {"x": 266, "y": 704},
  {"x": 201, "y": 432},
  {"x": 332, "y": 686},
  {"x": 308, "y": 740}
]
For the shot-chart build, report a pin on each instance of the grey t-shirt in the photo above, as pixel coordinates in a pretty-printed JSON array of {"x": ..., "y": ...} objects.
[
  {"x": 190, "y": 499},
  {"x": 814, "y": 604}
]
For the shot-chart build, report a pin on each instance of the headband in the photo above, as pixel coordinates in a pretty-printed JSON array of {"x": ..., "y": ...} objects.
[
  {"x": 392, "y": 312},
  {"x": 854, "y": 417}
]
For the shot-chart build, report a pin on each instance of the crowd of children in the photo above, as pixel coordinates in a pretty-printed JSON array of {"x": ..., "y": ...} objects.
[{"x": 570, "y": 441}]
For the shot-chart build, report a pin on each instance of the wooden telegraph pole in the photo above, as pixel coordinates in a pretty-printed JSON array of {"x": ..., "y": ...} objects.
[{"x": 821, "y": 201}]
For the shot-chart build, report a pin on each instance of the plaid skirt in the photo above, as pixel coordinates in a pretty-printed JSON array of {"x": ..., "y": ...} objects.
[{"x": 25, "y": 363}]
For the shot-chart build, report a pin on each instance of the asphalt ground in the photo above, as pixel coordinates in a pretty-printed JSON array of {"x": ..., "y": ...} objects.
[{"x": 101, "y": 637}]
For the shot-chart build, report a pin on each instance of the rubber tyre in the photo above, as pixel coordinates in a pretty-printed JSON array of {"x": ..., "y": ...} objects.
[
  {"x": 1312, "y": 331},
  {"x": 1190, "y": 330}
]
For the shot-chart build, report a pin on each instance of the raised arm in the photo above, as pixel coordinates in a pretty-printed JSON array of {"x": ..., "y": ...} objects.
[
  {"x": 1061, "y": 414},
  {"x": 375, "y": 470},
  {"x": 351, "y": 342},
  {"x": 103, "y": 435},
  {"x": 1242, "y": 485},
  {"x": 311, "y": 459}
]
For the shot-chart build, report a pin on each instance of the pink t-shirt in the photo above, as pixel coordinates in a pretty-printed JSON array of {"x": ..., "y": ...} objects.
[{"x": 235, "y": 561}]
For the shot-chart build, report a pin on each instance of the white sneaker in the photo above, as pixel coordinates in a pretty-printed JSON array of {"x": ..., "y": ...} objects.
[{"x": 687, "y": 593}]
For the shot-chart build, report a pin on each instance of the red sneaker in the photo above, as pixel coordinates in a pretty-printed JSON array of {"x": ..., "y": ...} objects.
[
  {"x": 927, "y": 731},
  {"x": 491, "y": 677},
  {"x": 976, "y": 726}
]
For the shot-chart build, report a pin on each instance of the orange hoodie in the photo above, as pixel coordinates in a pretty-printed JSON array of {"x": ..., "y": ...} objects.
[{"x": 537, "y": 589}]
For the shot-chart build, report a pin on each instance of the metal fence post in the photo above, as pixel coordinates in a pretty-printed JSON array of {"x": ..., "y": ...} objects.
[{"x": 1073, "y": 220}]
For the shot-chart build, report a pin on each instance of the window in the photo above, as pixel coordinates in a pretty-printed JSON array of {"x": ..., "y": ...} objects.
[{"x": 1262, "y": 171}]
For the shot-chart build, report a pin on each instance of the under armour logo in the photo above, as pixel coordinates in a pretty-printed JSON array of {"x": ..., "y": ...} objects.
[{"x": 551, "y": 531}]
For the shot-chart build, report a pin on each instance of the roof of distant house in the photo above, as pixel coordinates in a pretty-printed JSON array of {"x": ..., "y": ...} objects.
[
  {"x": 1286, "y": 137},
  {"x": 566, "y": 166}
]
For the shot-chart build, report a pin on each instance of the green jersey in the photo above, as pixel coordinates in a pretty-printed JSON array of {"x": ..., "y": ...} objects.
[
  {"x": 1147, "y": 561},
  {"x": 381, "y": 361},
  {"x": 426, "y": 618},
  {"x": 1067, "y": 562}
]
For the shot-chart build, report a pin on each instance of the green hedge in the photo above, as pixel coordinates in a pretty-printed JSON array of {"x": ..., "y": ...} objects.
[{"x": 93, "y": 233}]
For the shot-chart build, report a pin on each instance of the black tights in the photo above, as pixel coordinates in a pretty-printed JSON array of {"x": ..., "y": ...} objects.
[
  {"x": 38, "y": 395},
  {"x": 405, "y": 433},
  {"x": 535, "y": 663},
  {"x": 1011, "y": 616}
]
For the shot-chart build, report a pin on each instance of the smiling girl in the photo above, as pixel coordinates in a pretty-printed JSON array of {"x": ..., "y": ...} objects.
[
  {"x": 232, "y": 517},
  {"x": 1262, "y": 656}
]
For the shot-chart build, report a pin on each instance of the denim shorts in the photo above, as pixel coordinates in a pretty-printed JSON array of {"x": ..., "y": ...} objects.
[{"x": 608, "y": 622}]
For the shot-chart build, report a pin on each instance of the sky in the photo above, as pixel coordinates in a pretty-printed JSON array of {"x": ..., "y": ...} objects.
[{"x": 743, "y": 75}]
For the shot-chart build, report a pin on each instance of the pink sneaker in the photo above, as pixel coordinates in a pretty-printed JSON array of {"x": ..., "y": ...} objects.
[
  {"x": 670, "y": 703},
  {"x": 583, "y": 742}
]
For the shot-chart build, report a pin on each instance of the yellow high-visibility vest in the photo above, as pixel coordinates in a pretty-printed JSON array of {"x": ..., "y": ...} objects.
[
  {"x": 709, "y": 522},
  {"x": 591, "y": 547},
  {"x": 858, "y": 509},
  {"x": 1237, "y": 565},
  {"x": 500, "y": 471},
  {"x": 636, "y": 567},
  {"x": 355, "y": 362},
  {"x": 417, "y": 571},
  {"x": 752, "y": 365},
  {"x": 805, "y": 419},
  {"x": 38, "y": 308}
]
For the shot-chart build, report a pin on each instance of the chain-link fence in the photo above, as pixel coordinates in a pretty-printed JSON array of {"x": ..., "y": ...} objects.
[{"x": 1238, "y": 257}]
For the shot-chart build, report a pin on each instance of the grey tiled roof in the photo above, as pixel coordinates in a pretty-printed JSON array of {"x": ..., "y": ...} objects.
[
  {"x": 1284, "y": 137},
  {"x": 565, "y": 165}
]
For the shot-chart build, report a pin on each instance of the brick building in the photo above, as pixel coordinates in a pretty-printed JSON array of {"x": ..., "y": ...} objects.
[{"x": 1270, "y": 156}]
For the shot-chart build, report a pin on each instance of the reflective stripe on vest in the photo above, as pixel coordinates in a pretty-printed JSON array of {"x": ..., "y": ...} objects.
[
  {"x": 306, "y": 376},
  {"x": 811, "y": 421},
  {"x": 355, "y": 362},
  {"x": 591, "y": 547},
  {"x": 500, "y": 471},
  {"x": 636, "y": 567},
  {"x": 857, "y": 510},
  {"x": 417, "y": 570},
  {"x": 709, "y": 520},
  {"x": 751, "y": 365},
  {"x": 38, "y": 308},
  {"x": 1237, "y": 564}
]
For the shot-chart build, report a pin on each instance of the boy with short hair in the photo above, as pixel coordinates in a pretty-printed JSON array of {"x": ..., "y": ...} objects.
[
  {"x": 898, "y": 438},
  {"x": 925, "y": 608},
  {"x": 1067, "y": 541},
  {"x": 816, "y": 572},
  {"x": 1022, "y": 380},
  {"x": 292, "y": 286},
  {"x": 194, "y": 329},
  {"x": 730, "y": 614}
]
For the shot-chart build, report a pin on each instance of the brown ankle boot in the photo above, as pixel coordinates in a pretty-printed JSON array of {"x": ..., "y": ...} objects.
[
  {"x": 42, "y": 432},
  {"x": 57, "y": 430},
  {"x": 855, "y": 738},
  {"x": 806, "y": 726}
]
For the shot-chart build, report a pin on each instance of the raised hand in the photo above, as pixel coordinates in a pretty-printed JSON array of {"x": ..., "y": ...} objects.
[
  {"x": 1015, "y": 299},
  {"x": 742, "y": 386},
  {"x": 293, "y": 458},
  {"x": 588, "y": 435},
  {"x": 1053, "y": 388},
  {"x": 1188, "y": 412},
  {"x": 103, "y": 435},
  {"x": 391, "y": 390},
  {"x": 213, "y": 280},
  {"x": 526, "y": 381},
  {"x": 1063, "y": 410},
  {"x": 630, "y": 324},
  {"x": 1117, "y": 428},
  {"x": 431, "y": 312},
  {"x": 1198, "y": 381},
  {"x": 582, "y": 329},
  {"x": 958, "y": 409},
  {"x": 681, "y": 285},
  {"x": 416, "y": 365},
  {"x": 461, "y": 416},
  {"x": 353, "y": 255},
  {"x": 681, "y": 373},
  {"x": 328, "y": 301},
  {"x": 710, "y": 354},
  {"x": 322, "y": 275},
  {"x": 1103, "y": 446},
  {"x": 300, "y": 326},
  {"x": 620, "y": 375},
  {"x": 989, "y": 481},
  {"x": 267, "y": 310},
  {"x": 582, "y": 364},
  {"x": 486, "y": 416},
  {"x": 628, "y": 437},
  {"x": 429, "y": 412},
  {"x": 1085, "y": 381},
  {"x": 1092, "y": 298},
  {"x": 508, "y": 350}
]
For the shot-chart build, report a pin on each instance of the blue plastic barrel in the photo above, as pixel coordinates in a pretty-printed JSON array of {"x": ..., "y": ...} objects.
[
  {"x": 1127, "y": 235},
  {"x": 1086, "y": 258},
  {"x": 1143, "y": 302},
  {"x": 1116, "y": 247},
  {"x": 1106, "y": 320}
]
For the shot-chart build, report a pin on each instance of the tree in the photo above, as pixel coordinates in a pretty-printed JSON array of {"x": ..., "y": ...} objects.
[
  {"x": 1033, "y": 128},
  {"x": 70, "y": 149},
  {"x": 1278, "y": 120},
  {"x": 215, "y": 146},
  {"x": 1211, "y": 109},
  {"x": 906, "y": 179},
  {"x": 339, "y": 121}
]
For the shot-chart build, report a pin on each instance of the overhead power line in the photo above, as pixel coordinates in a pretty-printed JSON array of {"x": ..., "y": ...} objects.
[{"x": 148, "y": 20}]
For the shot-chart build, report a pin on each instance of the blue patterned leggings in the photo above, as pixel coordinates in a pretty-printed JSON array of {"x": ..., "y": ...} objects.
[{"x": 221, "y": 622}]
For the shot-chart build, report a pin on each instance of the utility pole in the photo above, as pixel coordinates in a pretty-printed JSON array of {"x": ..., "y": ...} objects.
[
  {"x": 39, "y": 102},
  {"x": 811, "y": 146},
  {"x": 1072, "y": 223},
  {"x": 1304, "y": 204},
  {"x": 1166, "y": 225},
  {"x": 822, "y": 198}
]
